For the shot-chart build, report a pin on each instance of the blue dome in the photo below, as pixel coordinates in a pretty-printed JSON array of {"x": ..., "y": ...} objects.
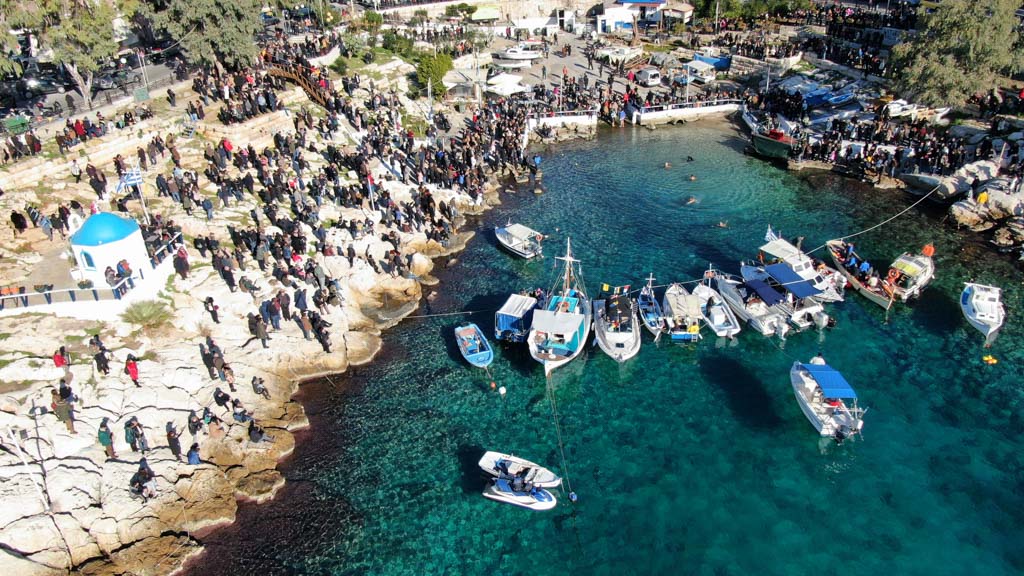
[{"x": 104, "y": 228}]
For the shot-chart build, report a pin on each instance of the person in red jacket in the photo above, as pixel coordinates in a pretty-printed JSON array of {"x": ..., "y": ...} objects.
[{"x": 131, "y": 368}]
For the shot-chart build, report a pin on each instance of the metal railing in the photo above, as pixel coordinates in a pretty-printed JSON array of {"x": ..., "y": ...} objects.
[
  {"x": 22, "y": 297},
  {"x": 682, "y": 105}
]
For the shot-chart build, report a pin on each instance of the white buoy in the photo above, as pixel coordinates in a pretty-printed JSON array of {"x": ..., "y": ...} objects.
[{"x": 502, "y": 391}]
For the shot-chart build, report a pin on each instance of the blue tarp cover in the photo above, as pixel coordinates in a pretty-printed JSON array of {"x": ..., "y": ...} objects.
[
  {"x": 516, "y": 313},
  {"x": 831, "y": 382},
  {"x": 784, "y": 275},
  {"x": 770, "y": 296},
  {"x": 722, "y": 63}
]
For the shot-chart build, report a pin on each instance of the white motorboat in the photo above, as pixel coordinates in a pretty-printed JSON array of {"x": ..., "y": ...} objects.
[
  {"x": 617, "y": 327},
  {"x": 523, "y": 51},
  {"x": 983, "y": 307},
  {"x": 829, "y": 281},
  {"x": 519, "y": 494},
  {"x": 750, "y": 307},
  {"x": 682, "y": 314},
  {"x": 716, "y": 312},
  {"x": 520, "y": 240},
  {"x": 560, "y": 330},
  {"x": 793, "y": 296},
  {"x": 650, "y": 310},
  {"x": 511, "y": 64},
  {"x": 826, "y": 398},
  {"x": 510, "y": 466},
  {"x": 910, "y": 273}
]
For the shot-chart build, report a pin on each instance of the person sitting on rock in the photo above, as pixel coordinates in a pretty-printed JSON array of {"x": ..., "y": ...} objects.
[
  {"x": 239, "y": 413},
  {"x": 259, "y": 387},
  {"x": 221, "y": 398},
  {"x": 257, "y": 434},
  {"x": 193, "y": 455}
]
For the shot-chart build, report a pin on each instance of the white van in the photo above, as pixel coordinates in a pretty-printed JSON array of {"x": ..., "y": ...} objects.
[
  {"x": 700, "y": 72},
  {"x": 648, "y": 76}
]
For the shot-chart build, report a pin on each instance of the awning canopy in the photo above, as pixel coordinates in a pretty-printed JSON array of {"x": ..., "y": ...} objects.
[
  {"x": 770, "y": 296},
  {"x": 907, "y": 266},
  {"x": 521, "y": 232},
  {"x": 517, "y": 305},
  {"x": 788, "y": 279},
  {"x": 485, "y": 13},
  {"x": 781, "y": 249},
  {"x": 556, "y": 323},
  {"x": 506, "y": 89},
  {"x": 831, "y": 382},
  {"x": 504, "y": 78}
]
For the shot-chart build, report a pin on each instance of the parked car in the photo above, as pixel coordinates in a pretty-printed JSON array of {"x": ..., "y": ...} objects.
[
  {"x": 110, "y": 79},
  {"x": 40, "y": 78},
  {"x": 648, "y": 76},
  {"x": 163, "y": 50}
]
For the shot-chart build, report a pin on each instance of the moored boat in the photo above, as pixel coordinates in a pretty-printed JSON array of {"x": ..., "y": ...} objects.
[
  {"x": 473, "y": 345},
  {"x": 825, "y": 279},
  {"x": 520, "y": 240},
  {"x": 560, "y": 330},
  {"x": 510, "y": 466},
  {"x": 616, "y": 326},
  {"x": 794, "y": 297},
  {"x": 650, "y": 310},
  {"x": 519, "y": 494},
  {"x": 512, "y": 320},
  {"x": 773, "y": 144},
  {"x": 716, "y": 313},
  {"x": 908, "y": 275},
  {"x": 983, "y": 308},
  {"x": 826, "y": 399},
  {"x": 528, "y": 50},
  {"x": 682, "y": 314},
  {"x": 872, "y": 288},
  {"x": 750, "y": 306}
]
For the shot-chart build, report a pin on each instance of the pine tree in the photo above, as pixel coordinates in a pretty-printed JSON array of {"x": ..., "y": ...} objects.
[
  {"x": 963, "y": 49},
  {"x": 212, "y": 31}
]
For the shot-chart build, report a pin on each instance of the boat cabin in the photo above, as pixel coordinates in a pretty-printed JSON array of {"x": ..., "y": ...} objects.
[
  {"x": 512, "y": 321},
  {"x": 559, "y": 327},
  {"x": 700, "y": 71}
]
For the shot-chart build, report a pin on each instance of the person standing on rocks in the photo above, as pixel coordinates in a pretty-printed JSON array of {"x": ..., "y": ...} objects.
[
  {"x": 195, "y": 424},
  {"x": 181, "y": 265},
  {"x": 207, "y": 357},
  {"x": 193, "y": 455},
  {"x": 212, "y": 309},
  {"x": 221, "y": 398},
  {"x": 62, "y": 409},
  {"x": 131, "y": 368},
  {"x": 61, "y": 359},
  {"x": 106, "y": 438},
  {"x": 135, "y": 436},
  {"x": 305, "y": 324},
  {"x": 173, "y": 442},
  {"x": 76, "y": 171},
  {"x": 102, "y": 362},
  {"x": 261, "y": 331}
]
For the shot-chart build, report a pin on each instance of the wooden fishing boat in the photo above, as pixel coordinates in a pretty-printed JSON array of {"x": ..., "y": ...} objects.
[{"x": 474, "y": 347}]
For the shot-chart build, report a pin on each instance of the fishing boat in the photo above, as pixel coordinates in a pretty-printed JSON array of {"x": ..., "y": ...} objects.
[
  {"x": 511, "y": 64},
  {"x": 474, "y": 347},
  {"x": 841, "y": 99},
  {"x": 519, "y": 240},
  {"x": 828, "y": 280},
  {"x": 682, "y": 314},
  {"x": 826, "y": 398},
  {"x": 911, "y": 273},
  {"x": 874, "y": 289},
  {"x": 512, "y": 320},
  {"x": 983, "y": 308},
  {"x": 794, "y": 296},
  {"x": 519, "y": 494},
  {"x": 750, "y": 306},
  {"x": 908, "y": 275},
  {"x": 774, "y": 144},
  {"x": 510, "y": 466},
  {"x": 716, "y": 313},
  {"x": 560, "y": 330},
  {"x": 650, "y": 310},
  {"x": 616, "y": 326}
]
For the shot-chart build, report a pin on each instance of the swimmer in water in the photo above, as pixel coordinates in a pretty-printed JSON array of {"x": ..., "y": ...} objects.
[
  {"x": 691, "y": 200},
  {"x": 689, "y": 158},
  {"x": 723, "y": 224},
  {"x": 693, "y": 177},
  {"x": 667, "y": 165}
]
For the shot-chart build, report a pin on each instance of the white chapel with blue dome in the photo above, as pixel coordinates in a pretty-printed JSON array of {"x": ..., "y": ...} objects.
[{"x": 103, "y": 240}]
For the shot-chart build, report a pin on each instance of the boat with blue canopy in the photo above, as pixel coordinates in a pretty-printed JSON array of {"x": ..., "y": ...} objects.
[
  {"x": 512, "y": 321},
  {"x": 474, "y": 347},
  {"x": 826, "y": 398},
  {"x": 753, "y": 302},
  {"x": 789, "y": 293},
  {"x": 560, "y": 330}
]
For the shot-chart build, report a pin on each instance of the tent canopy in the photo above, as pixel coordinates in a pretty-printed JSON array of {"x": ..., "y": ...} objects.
[
  {"x": 485, "y": 13},
  {"x": 781, "y": 249},
  {"x": 556, "y": 323},
  {"x": 770, "y": 296},
  {"x": 831, "y": 382},
  {"x": 785, "y": 276}
]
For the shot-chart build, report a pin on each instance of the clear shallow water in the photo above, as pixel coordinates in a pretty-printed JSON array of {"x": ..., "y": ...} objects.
[{"x": 689, "y": 460}]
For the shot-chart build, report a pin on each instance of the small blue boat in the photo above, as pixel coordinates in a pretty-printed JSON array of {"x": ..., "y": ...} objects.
[
  {"x": 474, "y": 347},
  {"x": 837, "y": 100},
  {"x": 512, "y": 321}
]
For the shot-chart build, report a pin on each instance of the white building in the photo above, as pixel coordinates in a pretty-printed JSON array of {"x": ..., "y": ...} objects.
[
  {"x": 103, "y": 240},
  {"x": 621, "y": 14}
]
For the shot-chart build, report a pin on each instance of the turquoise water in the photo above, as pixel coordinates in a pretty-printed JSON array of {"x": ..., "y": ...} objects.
[{"x": 687, "y": 460}]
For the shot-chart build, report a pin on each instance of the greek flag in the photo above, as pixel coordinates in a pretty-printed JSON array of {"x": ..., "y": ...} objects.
[{"x": 770, "y": 235}]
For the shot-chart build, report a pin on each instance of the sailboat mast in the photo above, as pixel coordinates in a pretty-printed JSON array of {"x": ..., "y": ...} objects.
[{"x": 568, "y": 266}]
